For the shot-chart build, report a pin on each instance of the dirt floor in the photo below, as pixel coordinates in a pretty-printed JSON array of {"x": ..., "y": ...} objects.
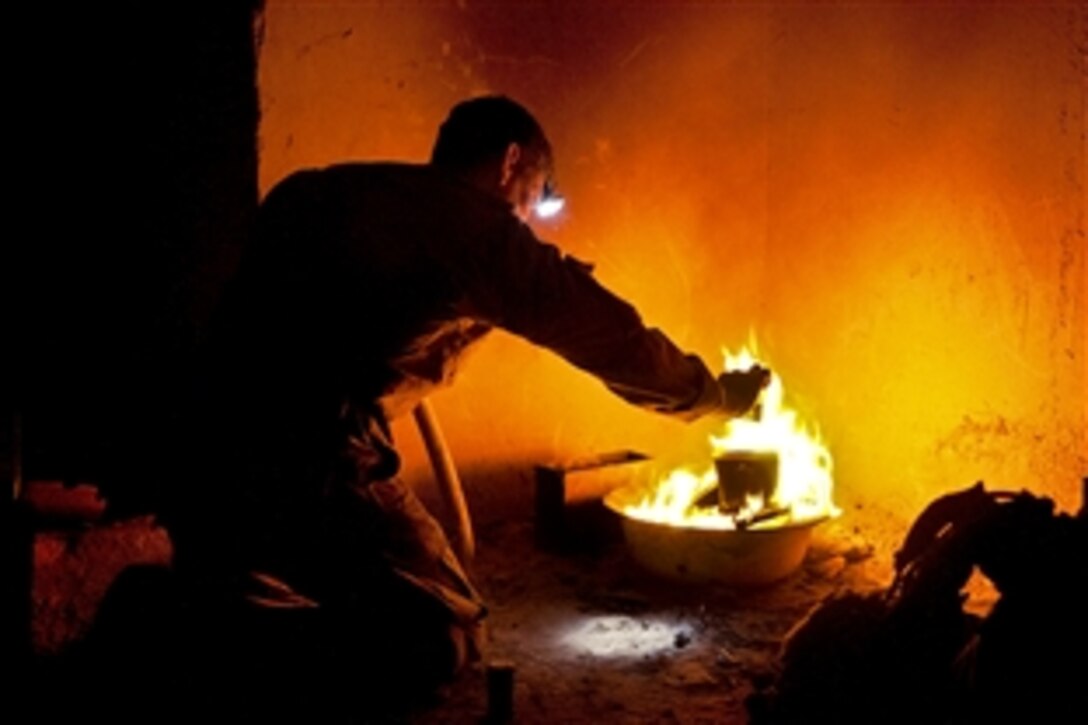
[
  {"x": 588, "y": 635},
  {"x": 578, "y": 629},
  {"x": 593, "y": 637}
]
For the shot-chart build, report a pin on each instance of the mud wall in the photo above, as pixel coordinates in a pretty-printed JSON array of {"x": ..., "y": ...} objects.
[{"x": 889, "y": 196}]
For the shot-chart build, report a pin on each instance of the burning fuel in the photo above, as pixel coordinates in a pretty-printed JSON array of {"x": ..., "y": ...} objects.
[{"x": 782, "y": 454}]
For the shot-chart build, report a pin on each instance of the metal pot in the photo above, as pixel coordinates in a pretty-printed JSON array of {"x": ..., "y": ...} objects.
[{"x": 753, "y": 556}]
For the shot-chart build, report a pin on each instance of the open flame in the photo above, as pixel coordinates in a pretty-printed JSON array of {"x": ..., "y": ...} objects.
[{"x": 804, "y": 487}]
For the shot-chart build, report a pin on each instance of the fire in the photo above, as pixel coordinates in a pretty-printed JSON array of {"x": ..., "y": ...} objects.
[{"x": 685, "y": 496}]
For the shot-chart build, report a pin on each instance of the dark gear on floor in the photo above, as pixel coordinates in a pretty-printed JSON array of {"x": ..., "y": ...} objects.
[{"x": 911, "y": 654}]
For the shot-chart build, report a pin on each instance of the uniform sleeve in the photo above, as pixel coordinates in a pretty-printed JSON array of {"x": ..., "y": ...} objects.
[{"x": 528, "y": 288}]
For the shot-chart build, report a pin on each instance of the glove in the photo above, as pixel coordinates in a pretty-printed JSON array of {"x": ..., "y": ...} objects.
[{"x": 741, "y": 388}]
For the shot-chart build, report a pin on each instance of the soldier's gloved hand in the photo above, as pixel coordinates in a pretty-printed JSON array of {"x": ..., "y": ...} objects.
[{"x": 741, "y": 388}]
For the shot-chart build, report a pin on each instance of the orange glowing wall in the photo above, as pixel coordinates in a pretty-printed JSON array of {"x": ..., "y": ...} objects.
[{"x": 891, "y": 196}]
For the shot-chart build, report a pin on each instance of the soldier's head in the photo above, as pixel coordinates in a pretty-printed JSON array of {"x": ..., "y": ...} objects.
[{"x": 495, "y": 143}]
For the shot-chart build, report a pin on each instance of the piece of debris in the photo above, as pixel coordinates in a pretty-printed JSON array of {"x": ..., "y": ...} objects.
[
  {"x": 829, "y": 568},
  {"x": 688, "y": 673},
  {"x": 725, "y": 658}
]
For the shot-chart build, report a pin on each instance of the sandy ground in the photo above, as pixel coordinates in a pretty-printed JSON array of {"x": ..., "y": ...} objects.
[
  {"x": 593, "y": 637},
  {"x": 590, "y": 636}
]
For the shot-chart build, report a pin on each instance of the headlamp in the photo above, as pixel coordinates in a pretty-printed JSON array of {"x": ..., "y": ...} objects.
[{"x": 551, "y": 202}]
